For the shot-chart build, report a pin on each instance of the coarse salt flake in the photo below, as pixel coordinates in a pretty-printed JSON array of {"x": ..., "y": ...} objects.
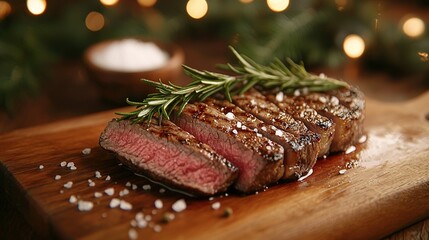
[
  {"x": 109, "y": 191},
  {"x": 57, "y": 177},
  {"x": 350, "y": 149},
  {"x": 238, "y": 124},
  {"x": 243, "y": 127},
  {"x": 141, "y": 223},
  {"x": 128, "y": 184},
  {"x": 133, "y": 234},
  {"x": 179, "y": 205},
  {"x": 41, "y": 167},
  {"x": 124, "y": 192},
  {"x": 108, "y": 178},
  {"x": 263, "y": 128},
  {"x": 235, "y": 131},
  {"x": 216, "y": 205},
  {"x": 69, "y": 184},
  {"x": 63, "y": 164},
  {"x": 91, "y": 184},
  {"x": 86, "y": 151},
  {"x": 161, "y": 190},
  {"x": 342, "y": 171},
  {"x": 279, "y": 96},
  {"x": 69, "y": 164},
  {"x": 125, "y": 205},
  {"x": 230, "y": 115},
  {"x": 259, "y": 135},
  {"x": 85, "y": 206},
  {"x": 146, "y": 187},
  {"x": 158, "y": 204},
  {"x": 114, "y": 203},
  {"x": 72, "y": 199},
  {"x": 97, "y": 174},
  {"x": 73, "y": 168},
  {"x": 279, "y": 132},
  {"x": 134, "y": 187},
  {"x": 98, "y": 194}
]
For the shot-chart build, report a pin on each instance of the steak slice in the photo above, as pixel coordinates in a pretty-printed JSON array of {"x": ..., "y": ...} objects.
[
  {"x": 259, "y": 106},
  {"x": 169, "y": 154},
  {"x": 317, "y": 123},
  {"x": 295, "y": 159},
  {"x": 259, "y": 160},
  {"x": 348, "y": 124}
]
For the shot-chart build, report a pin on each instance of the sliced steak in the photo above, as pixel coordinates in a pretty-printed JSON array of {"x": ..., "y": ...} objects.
[
  {"x": 259, "y": 106},
  {"x": 169, "y": 154},
  {"x": 259, "y": 160},
  {"x": 348, "y": 124},
  {"x": 317, "y": 123},
  {"x": 295, "y": 159}
]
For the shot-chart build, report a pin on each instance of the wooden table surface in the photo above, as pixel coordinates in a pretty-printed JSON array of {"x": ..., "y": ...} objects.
[{"x": 385, "y": 187}]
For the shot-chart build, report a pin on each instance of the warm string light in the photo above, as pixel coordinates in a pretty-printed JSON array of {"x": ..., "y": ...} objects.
[
  {"x": 278, "y": 5},
  {"x": 197, "y": 8},
  {"x": 354, "y": 46},
  {"x": 146, "y": 3},
  {"x": 109, "y": 2},
  {"x": 413, "y": 27},
  {"x": 36, "y": 7},
  {"x": 94, "y": 21},
  {"x": 5, "y": 9}
]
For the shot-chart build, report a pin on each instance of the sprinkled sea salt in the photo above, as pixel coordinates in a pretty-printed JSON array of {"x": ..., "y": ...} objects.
[
  {"x": 41, "y": 167},
  {"x": 259, "y": 135},
  {"x": 97, "y": 174},
  {"x": 72, "y": 199},
  {"x": 130, "y": 55},
  {"x": 235, "y": 131},
  {"x": 134, "y": 187},
  {"x": 216, "y": 205},
  {"x": 342, "y": 171},
  {"x": 86, "y": 151},
  {"x": 279, "y": 96},
  {"x": 57, "y": 177},
  {"x": 158, "y": 204},
  {"x": 133, "y": 234},
  {"x": 279, "y": 133},
  {"x": 161, "y": 190},
  {"x": 108, "y": 178},
  {"x": 146, "y": 187},
  {"x": 114, "y": 203},
  {"x": 109, "y": 191},
  {"x": 73, "y": 168},
  {"x": 69, "y": 184},
  {"x": 243, "y": 127},
  {"x": 157, "y": 228},
  {"x": 141, "y": 223},
  {"x": 98, "y": 194},
  {"x": 70, "y": 164},
  {"x": 230, "y": 115},
  {"x": 125, "y": 205},
  {"x": 350, "y": 149},
  {"x": 124, "y": 192},
  {"x": 179, "y": 205},
  {"x": 253, "y": 102},
  {"x": 263, "y": 128},
  {"x": 238, "y": 125},
  {"x": 362, "y": 139},
  {"x": 335, "y": 101},
  {"x": 128, "y": 184},
  {"x": 63, "y": 164},
  {"x": 85, "y": 206},
  {"x": 91, "y": 184}
]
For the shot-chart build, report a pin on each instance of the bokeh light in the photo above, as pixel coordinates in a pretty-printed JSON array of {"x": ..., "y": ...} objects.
[
  {"x": 94, "y": 21},
  {"x": 197, "y": 8},
  {"x": 109, "y": 2},
  {"x": 354, "y": 46},
  {"x": 5, "y": 9},
  {"x": 36, "y": 7},
  {"x": 146, "y": 3},
  {"x": 278, "y": 5},
  {"x": 413, "y": 27}
]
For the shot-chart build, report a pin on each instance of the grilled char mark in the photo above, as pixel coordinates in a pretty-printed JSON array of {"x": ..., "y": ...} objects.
[
  {"x": 168, "y": 154},
  {"x": 348, "y": 126},
  {"x": 259, "y": 106},
  {"x": 294, "y": 155},
  {"x": 259, "y": 160},
  {"x": 317, "y": 123}
]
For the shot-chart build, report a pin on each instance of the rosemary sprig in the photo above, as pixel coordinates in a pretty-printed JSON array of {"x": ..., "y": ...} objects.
[{"x": 248, "y": 74}]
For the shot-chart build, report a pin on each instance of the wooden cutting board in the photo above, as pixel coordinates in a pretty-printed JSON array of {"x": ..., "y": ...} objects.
[{"x": 385, "y": 186}]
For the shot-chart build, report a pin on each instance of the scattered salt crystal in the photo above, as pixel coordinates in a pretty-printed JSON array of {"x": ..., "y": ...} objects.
[
  {"x": 269, "y": 148},
  {"x": 41, "y": 167},
  {"x": 133, "y": 234},
  {"x": 230, "y": 115},
  {"x": 130, "y": 55},
  {"x": 158, "y": 203},
  {"x": 211, "y": 198},
  {"x": 322, "y": 99},
  {"x": 86, "y": 151},
  {"x": 161, "y": 190},
  {"x": 110, "y": 191},
  {"x": 97, "y": 174},
  {"x": 125, "y": 205},
  {"x": 157, "y": 228},
  {"x": 179, "y": 205},
  {"x": 235, "y": 131},
  {"x": 253, "y": 102},
  {"x": 362, "y": 139},
  {"x": 238, "y": 124},
  {"x": 69, "y": 164},
  {"x": 91, "y": 184},
  {"x": 296, "y": 93},
  {"x": 128, "y": 184},
  {"x": 108, "y": 178},
  {"x": 216, "y": 205},
  {"x": 168, "y": 217},
  {"x": 85, "y": 206},
  {"x": 259, "y": 135},
  {"x": 146, "y": 187},
  {"x": 243, "y": 127},
  {"x": 335, "y": 101},
  {"x": 98, "y": 194},
  {"x": 63, "y": 163},
  {"x": 263, "y": 128},
  {"x": 279, "y": 96},
  {"x": 124, "y": 192},
  {"x": 134, "y": 187},
  {"x": 273, "y": 128},
  {"x": 255, "y": 130},
  {"x": 350, "y": 149},
  {"x": 114, "y": 203},
  {"x": 279, "y": 133},
  {"x": 342, "y": 171},
  {"x": 141, "y": 223},
  {"x": 73, "y": 168},
  {"x": 69, "y": 184},
  {"x": 139, "y": 216},
  {"x": 57, "y": 177},
  {"x": 72, "y": 199}
]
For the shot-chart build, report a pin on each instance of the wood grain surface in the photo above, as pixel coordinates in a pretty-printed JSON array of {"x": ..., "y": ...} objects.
[{"x": 385, "y": 187}]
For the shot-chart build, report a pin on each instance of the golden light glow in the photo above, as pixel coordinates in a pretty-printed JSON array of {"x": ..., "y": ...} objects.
[
  {"x": 36, "y": 7},
  {"x": 354, "y": 46},
  {"x": 109, "y": 2},
  {"x": 94, "y": 21},
  {"x": 278, "y": 5},
  {"x": 197, "y": 8},
  {"x": 5, "y": 9},
  {"x": 146, "y": 3},
  {"x": 413, "y": 27},
  {"x": 246, "y": 1}
]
